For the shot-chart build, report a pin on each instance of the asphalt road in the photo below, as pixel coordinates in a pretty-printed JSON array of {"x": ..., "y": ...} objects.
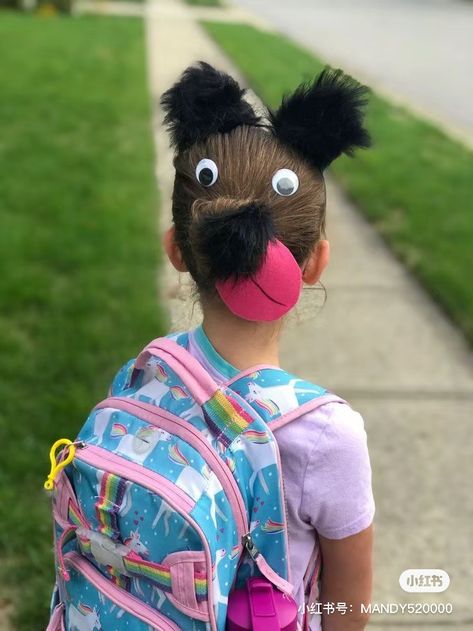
[{"x": 420, "y": 50}]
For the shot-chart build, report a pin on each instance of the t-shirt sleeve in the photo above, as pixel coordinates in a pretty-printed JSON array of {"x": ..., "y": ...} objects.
[{"x": 337, "y": 497}]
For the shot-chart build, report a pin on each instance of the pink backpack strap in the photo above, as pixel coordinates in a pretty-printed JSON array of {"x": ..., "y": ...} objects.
[
  {"x": 197, "y": 380},
  {"x": 225, "y": 412},
  {"x": 309, "y": 406}
]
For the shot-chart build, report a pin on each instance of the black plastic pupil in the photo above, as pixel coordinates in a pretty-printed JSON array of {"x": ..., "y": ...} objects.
[
  {"x": 206, "y": 176},
  {"x": 285, "y": 186}
]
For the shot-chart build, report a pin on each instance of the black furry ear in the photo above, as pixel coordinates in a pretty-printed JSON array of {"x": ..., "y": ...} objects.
[
  {"x": 324, "y": 118},
  {"x": 203, "y": 102}
]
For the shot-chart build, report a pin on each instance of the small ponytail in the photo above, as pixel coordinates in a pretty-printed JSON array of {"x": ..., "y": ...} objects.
[
  {"x": 237, "y": 252},
  {"x": 230, "y": 244}
]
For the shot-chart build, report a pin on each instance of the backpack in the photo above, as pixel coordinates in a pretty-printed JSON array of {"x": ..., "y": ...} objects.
[{"x": 171, "y": 496}]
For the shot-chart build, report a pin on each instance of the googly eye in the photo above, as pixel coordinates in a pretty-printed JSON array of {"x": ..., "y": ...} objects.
[
  {"x": 206, "y": 172},
  {"x": 285, "y": 182}
]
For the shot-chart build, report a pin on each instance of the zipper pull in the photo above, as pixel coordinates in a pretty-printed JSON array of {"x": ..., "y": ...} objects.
[
  {"x": 250, "y": 546},
  {"x": 67, "y": 535},
  {"x": 57, "y": 466},
  {"x": 264, "y": 567}
]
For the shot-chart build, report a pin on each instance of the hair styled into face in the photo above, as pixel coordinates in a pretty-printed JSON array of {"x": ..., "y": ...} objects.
[
  {"x": 223, "y": 230},
  {"x": 242, "y": 182}
]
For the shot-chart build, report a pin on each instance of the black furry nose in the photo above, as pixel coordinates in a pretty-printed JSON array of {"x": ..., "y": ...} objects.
[{"x": 234, "y": 241}]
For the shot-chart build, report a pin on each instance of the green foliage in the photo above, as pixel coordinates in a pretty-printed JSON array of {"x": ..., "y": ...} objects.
[
  {"x": 43, "y": 7},
  {"x": 205, "y": 3},
  {"x": 52, "y": 6},
  {"x": 79, "y": 250},
  {"x": 415, "y": 185},
  {"x": 11, "y": 4}
]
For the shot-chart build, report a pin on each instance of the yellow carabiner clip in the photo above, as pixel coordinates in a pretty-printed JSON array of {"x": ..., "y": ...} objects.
[{"x": 57, "y": 466}]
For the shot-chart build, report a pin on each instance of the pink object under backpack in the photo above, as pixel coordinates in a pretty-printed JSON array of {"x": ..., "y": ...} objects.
[{"x": 259, "y": 606}]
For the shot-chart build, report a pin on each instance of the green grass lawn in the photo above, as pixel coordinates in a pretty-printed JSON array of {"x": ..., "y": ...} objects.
[
  {"x": 415, "y": 184},
  {"x": 79, "y": 252}
]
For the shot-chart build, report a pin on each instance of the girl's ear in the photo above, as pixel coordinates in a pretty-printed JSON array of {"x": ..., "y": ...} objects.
[
  {"x": 316, "y": 263},
  {"x": 204, "y": 102},
  {"x": 172, "y": 250},
  {"x": 323, "y": 119}
]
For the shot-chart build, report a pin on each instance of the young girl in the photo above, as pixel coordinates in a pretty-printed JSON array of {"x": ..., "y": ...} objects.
[
  {"x": 248, "y": 224},
  {"x": 210, "y": 473}
]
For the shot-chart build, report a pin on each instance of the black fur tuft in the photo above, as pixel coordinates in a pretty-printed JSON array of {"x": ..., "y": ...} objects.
[
  {"x": 204, "y": 102},
  {"x": 324, "y": 118},
  {"x": 233, "y": 243}
]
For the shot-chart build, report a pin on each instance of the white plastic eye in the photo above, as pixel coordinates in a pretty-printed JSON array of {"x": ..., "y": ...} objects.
[
  {"x": 206, "y": 172},
  {"x": 285, "y": 182}
]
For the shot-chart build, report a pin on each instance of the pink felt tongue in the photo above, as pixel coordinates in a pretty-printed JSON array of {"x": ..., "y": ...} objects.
[{"x": 268, "y": 294}]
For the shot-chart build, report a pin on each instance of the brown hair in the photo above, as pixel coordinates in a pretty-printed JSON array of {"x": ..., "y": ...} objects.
[{"x": 247, "y": 158}]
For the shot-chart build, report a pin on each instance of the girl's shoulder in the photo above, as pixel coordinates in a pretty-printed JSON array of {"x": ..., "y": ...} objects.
[
  {"x": 334, "y": 427},
  {"x": 336, "y": 479},
  {"x": 324, "y": 453}
]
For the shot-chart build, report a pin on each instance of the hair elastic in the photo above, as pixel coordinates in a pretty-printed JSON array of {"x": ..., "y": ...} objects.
[{"x": 269, "y": 293}]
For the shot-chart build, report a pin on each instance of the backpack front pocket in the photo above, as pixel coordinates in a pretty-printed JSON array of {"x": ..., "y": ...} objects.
[
  {"x": 136, "y": 528},
  {"x": 93, "y": 602}
]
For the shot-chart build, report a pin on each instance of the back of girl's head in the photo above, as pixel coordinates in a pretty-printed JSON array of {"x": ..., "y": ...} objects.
[{"x": 249, "y": 196}]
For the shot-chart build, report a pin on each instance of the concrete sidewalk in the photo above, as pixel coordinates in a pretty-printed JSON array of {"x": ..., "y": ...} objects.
[{"x": 382, "y": 343}]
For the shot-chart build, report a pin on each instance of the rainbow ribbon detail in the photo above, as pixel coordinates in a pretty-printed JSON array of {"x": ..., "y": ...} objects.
[
  {"x": 112, "y": 491},
  {"x": 132, "y": 562},
  {"x": 161, "y": 574},
  {"x": 75, "y": 515},
  {"x": 225, "y": 417},
  {"x": 118, "y": 579}
]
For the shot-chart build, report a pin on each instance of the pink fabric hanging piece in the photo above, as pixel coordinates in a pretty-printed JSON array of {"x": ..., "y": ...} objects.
[{"x": 268, "y": 294}]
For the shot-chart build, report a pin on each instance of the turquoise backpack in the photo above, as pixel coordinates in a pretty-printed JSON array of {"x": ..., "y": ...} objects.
[{"x": 171, "y": 495}]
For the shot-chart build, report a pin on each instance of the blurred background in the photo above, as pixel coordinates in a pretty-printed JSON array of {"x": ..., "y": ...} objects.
[{"x": 85, "y": 181}]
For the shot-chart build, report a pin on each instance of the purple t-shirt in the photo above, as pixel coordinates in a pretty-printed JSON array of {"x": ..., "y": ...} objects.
[{"x": 325, "y": 466}]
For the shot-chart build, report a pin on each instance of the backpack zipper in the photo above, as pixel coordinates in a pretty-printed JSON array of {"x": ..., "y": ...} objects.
[
  {"x": 101, "y": 458},
  {"x": 122, "y": 599},
  {"x": 175, "y": 425}
]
